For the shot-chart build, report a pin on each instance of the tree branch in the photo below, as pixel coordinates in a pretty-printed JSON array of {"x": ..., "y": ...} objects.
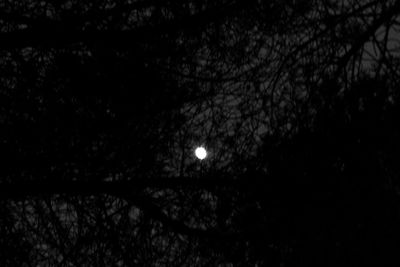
[{"x": 88, "y": 188}]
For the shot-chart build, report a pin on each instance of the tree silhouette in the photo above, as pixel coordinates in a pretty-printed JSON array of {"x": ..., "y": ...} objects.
[{"x": 104, "y": 102}]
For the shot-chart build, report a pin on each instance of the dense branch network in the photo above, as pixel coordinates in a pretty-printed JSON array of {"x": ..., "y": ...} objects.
[{"x": 103, "y": 104}]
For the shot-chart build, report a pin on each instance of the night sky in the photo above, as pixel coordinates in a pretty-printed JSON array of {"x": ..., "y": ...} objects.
[{"x": 199, "y": 133}]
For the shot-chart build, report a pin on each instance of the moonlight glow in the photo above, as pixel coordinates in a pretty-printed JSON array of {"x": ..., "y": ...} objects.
[{"x": 200, "y": 153}]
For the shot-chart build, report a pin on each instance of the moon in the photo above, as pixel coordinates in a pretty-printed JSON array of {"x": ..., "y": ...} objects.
[{"x": 200, "y": 153}]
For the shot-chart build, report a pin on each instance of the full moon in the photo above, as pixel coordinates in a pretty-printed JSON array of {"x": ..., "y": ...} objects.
[{"x": 200, "y": 153}]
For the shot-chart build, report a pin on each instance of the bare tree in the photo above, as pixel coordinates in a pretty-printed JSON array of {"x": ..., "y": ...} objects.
[{"x": 104, "y": 102}]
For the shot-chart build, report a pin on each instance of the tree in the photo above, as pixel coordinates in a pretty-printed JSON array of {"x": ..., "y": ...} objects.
[{"x": 103, "y": 103}]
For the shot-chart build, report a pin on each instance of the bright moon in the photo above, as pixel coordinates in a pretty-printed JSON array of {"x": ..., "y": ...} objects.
[{"x": 200, "y": 153}]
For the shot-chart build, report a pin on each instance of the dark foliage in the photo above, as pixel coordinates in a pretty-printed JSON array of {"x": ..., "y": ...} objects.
[{"x": 103, "y": 103}]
